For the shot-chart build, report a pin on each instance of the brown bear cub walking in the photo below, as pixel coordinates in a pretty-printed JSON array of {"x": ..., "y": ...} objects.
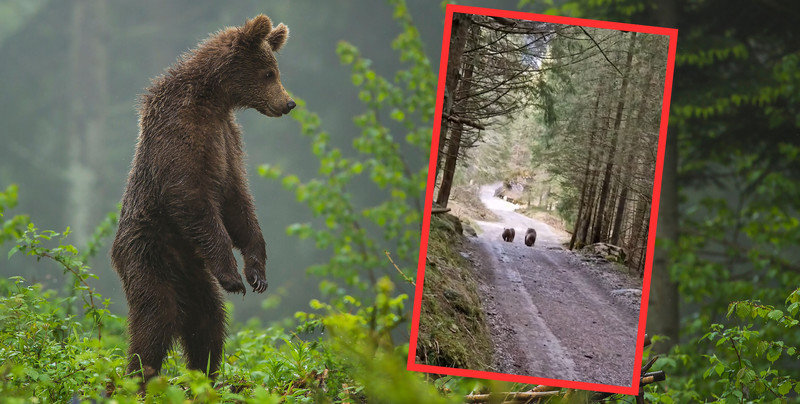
[
  {"x": 530, "y": 237},
  {"x": 187, "y": 202},
  {"x": 508, "y": 235}
]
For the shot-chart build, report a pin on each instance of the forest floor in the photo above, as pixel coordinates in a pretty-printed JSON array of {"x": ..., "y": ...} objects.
[{"x": 553, "y": 313}]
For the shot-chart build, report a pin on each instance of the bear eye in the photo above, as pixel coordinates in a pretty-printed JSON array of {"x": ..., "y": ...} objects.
[{"x": 268, "y": 74}]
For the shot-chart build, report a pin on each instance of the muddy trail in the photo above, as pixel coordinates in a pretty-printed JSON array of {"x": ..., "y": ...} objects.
[{"x": 553, "y": 313}]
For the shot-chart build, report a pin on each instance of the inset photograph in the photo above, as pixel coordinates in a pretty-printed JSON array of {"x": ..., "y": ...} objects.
[{"x": 543, "y": 197}]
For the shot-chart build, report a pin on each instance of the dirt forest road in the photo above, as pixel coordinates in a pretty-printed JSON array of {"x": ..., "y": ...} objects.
[{"x": 552, "y": 314}]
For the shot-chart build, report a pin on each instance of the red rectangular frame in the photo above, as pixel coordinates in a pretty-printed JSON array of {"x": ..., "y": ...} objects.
[{"x": 634, "y": 388}]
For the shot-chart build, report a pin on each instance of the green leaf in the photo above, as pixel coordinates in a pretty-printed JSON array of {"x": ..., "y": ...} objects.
[
  {"x": 746, "y": 375},
  {"x": 775, "y": 314},
  {"x": 290, "y": 181},
  {"x": 13, "y": 251},
  {"x": 731, "y": 308},
  {"x": 269, "y": 171},
  {"x": 397, "y": 115},
  {"x": 761, "y": 348},
  {"x": 773, "y": 354},
  {"x": 719, "y": 369},
  {"x": 743, "y": 310},
  {"x": 793, "y": 308}
]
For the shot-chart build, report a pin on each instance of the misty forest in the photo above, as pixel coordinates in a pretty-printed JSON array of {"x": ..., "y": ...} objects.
[{"x": 339, "y": 186}]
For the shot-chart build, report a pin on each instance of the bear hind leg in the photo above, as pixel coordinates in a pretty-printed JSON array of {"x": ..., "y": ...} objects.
[
  {"x": 203, "y": 326},
  {"x": 152, "y": 331}
]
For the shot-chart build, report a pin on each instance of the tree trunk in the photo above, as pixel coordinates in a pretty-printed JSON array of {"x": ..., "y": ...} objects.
[
  {"x": 590, "y": 215},
  {"x": 89, "y": 94},
  {"x": 581, "y": 202},
  {"x": 458, "y": 42},
  {"x": 639, "y": 236},
  {"x": 615, "y": 232},
  {"x": 448, "y": 173},
  {"x": 454, "y": 142},
  {"x": 663, "y": 317}
]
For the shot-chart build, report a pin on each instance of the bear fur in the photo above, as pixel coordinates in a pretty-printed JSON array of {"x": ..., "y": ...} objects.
[
  {"x": 530, "y": 237},
  {"x": 187, "y": 202},
  {"x": 508, "y": 235}
]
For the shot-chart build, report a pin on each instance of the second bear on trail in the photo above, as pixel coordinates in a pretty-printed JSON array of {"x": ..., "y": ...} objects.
[
  {"x": 187, "y": 202},
  {"x": 530, "y": 237}
]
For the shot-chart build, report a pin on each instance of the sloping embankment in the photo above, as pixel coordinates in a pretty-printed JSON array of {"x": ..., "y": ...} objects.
[{"x": 452, "y": 329}]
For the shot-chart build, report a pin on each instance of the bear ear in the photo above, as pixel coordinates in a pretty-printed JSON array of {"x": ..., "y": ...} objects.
[
  {"x": 256, "y": 30},
  {"x": 278, "y": 37}
]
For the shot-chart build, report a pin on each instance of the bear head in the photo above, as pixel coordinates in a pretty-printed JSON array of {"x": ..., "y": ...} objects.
[{"x": 252, "y": 79}]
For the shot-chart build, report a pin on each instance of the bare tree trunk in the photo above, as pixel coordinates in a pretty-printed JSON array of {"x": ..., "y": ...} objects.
[
  {"x": 639, "y": 236},
  {"x": 458, "y": 42},
  {"x": 623, "y": 197},
  {"x": 591, "y": 210},
  {"x": 89, "y": 72},
  {"x": 663, "y": 316},
  {"x": 454, "y": 142},
  {"x": 448, "y": 173},
  {"x": 581, "y": 203},
  {"x": 609, "y": 214}
]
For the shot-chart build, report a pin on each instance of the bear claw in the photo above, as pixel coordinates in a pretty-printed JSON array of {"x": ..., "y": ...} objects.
[{"x": 260, "y": 286}]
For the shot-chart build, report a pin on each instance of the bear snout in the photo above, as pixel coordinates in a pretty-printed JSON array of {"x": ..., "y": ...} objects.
[{"x": 288, "y": 107}]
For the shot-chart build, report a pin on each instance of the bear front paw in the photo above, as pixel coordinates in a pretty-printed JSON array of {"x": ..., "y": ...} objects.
[
  {"x": 256, "y": 279},
  {"x": 232, "y": 285}
]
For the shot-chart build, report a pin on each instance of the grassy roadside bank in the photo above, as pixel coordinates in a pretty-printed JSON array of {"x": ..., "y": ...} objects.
[{"x": 452, "y": 331}]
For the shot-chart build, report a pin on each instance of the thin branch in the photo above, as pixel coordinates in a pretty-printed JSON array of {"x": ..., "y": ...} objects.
[
  {"x": 601, "y": 51},
  {"x": 409, "y": 280}
]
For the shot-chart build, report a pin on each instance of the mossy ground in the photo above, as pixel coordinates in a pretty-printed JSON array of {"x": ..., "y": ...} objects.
[{"x": 452, "y": 331}]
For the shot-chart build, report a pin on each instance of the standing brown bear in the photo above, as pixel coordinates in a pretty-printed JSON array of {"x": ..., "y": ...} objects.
[
  {"x": 187, "y": 203},
  {"x": 508, "y": 235}
]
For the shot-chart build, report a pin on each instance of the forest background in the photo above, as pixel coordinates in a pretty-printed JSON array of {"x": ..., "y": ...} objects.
[{"x": 728, "y": 227}]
